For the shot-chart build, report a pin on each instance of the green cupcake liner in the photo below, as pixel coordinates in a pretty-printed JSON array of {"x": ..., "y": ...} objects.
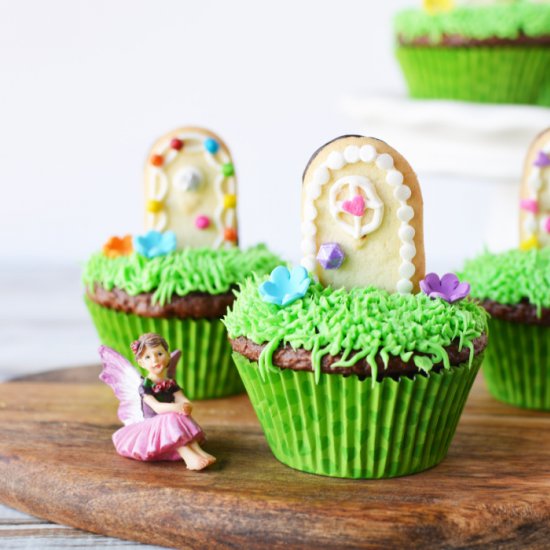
[
  {"x": 482, "y": 74},
  {"x": 343, "y": 427},
  {"x": 517, "y": 364},
  {"x": 205, "y": 370}
]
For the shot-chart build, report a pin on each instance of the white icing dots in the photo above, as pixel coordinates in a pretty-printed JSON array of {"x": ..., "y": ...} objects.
[
  {"x": 402, "y": 193},
  {"x": 309, "y": 229},
  {"x": 394, "y": 177},
  {"x": 335, "y": 160},
  {"x": 308, "y": 247},
  {"x": 406, "y": 232},
  {"x": 406, "y": 270},
  {"x": 309, "y": 263},
  {"x": 530, "y": 224},
  {"x": 367, "y": 153},
  {"x": 310, "y": 212},
  {"x": 314, "y": 192},
  {"x": 321, "y": 176},
  {"x": 404, "y": 286},
  {"x": 407, "y": 251},
  {"x": 384, "y": 161},
  {"x": 535, "y": 181},
  {"x": 351, "y": 154},
  {"x": 405, "y": 213}
]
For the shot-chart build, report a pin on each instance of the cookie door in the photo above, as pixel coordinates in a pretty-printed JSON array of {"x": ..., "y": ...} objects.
[
  {"x": 190, "y": 188},
  {"x": 535, "y": 195},
  {"x": 362, "y": 217}
]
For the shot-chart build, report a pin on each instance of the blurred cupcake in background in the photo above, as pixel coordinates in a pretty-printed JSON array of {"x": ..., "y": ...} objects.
[
  {"x": 514, "y": 287},
  {"x": 492, "y": 51}
]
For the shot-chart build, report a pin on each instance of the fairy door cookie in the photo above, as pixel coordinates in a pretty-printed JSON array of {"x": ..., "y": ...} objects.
[
  {"x": 190, "y": 189},
  {"x": 362, "y": 217},
  {"x": 535, "y": 195}
]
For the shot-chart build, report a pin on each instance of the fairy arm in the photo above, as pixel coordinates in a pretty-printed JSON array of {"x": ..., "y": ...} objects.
[
  {"x": 179, "y": 397},
  {"x": 161, "y": 408}
]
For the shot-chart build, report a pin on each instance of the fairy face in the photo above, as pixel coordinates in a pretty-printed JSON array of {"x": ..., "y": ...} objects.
[{"x": 154, "y": 359}]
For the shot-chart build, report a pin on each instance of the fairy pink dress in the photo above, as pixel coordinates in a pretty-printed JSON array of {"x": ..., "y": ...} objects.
[{"x": 146, "y": 435}]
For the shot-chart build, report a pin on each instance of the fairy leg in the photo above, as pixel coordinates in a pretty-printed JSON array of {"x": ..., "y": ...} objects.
[
  {"x": 193, "y": 460},
  {"x": 196, "y": 447}
]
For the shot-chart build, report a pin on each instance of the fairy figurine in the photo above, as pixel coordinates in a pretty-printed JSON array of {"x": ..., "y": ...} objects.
[{"x": 154, "y": 410}]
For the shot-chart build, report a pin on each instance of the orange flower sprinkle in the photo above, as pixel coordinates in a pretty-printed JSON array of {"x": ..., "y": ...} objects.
[{"x": 118, "y": 246}]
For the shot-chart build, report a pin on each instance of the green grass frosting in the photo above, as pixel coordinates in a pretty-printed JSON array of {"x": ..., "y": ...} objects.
[
  {"x": 358, "y": 323},
  {"x": 507, "y": 21},
  {"x": 511, "y": 276},
  {"x": 180, "y": 272}
]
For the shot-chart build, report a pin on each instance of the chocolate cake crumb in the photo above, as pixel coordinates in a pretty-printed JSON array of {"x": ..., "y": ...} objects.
[
  {"x": 195, "y": 305},
  {"x": 524, "y": 312},
  {"x": 285, "y": 357},
  {"x": 456, "y": 40}
]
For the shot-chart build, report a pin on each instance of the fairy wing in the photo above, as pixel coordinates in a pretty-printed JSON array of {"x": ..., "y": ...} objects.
[
  {"x": 174, "y": 358},
  {"x": 124, "y": 380}
]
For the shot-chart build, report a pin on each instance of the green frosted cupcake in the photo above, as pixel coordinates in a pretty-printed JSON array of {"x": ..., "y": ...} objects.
[
  {"x": 358, "y": 383},
  {"x": 514, "y": 287},
  {"x": 352, "y": 372},
  {"x": 177, "y": 279},
  {"x": 496, "y": 53},
  {"x": 181, "y": 294}
]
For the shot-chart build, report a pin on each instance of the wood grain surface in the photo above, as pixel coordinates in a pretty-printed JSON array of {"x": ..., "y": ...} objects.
[{"x": 57, "y": 462}]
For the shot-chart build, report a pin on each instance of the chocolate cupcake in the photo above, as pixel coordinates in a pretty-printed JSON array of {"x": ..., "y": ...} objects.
[
  {"x": 493, "y": 53},
  {"x": 351, "y": 370},
  {"x": 359, "y": 383},
  {"x": 178, "y": 278},
  {"x": 514, "y": 287},
  {"x": 182, "y": 295}
]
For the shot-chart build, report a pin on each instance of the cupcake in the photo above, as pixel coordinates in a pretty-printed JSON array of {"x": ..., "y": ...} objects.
[
  {"x": 497, "y": 52},
  {"x": 177, "y": 279},
  {"x": 514, "y": 287},
  {"x": 352, "y": 370}
]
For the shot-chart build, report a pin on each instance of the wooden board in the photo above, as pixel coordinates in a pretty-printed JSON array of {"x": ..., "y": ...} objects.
[{"x": 57, "y": 462}]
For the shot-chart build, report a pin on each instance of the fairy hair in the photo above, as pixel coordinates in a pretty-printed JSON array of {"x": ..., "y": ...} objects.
[{"x": 148, "y": 340}]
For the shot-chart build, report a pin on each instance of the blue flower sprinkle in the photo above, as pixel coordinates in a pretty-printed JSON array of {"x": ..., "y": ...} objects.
[
  {"x": 285, "y": 287},
  {"x": 154, "y": 243}
]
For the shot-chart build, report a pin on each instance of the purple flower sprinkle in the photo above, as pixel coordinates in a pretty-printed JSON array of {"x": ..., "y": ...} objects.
[
  {"x": 542, "y": 160},
  {"x": 448, "y": 288}
]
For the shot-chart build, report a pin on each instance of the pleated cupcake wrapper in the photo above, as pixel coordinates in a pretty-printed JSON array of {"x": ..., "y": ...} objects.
[
  {"x": 481, "y": 74},
  {"x": 343, "y": 427},
  {"x": 206, "y": 368},
  {"x": 517, "y": 364}
]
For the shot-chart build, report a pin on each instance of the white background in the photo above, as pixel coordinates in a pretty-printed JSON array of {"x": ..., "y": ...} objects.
[{"x": 88, "y": 86}]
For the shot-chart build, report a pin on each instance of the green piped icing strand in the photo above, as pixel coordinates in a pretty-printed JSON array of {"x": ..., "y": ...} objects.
[
  {"x": 511, "y": 276},
  {"x": 359, "y": 323},
  {"x": 476, "y": 22},
  {"x": 180, "y": 272}
]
